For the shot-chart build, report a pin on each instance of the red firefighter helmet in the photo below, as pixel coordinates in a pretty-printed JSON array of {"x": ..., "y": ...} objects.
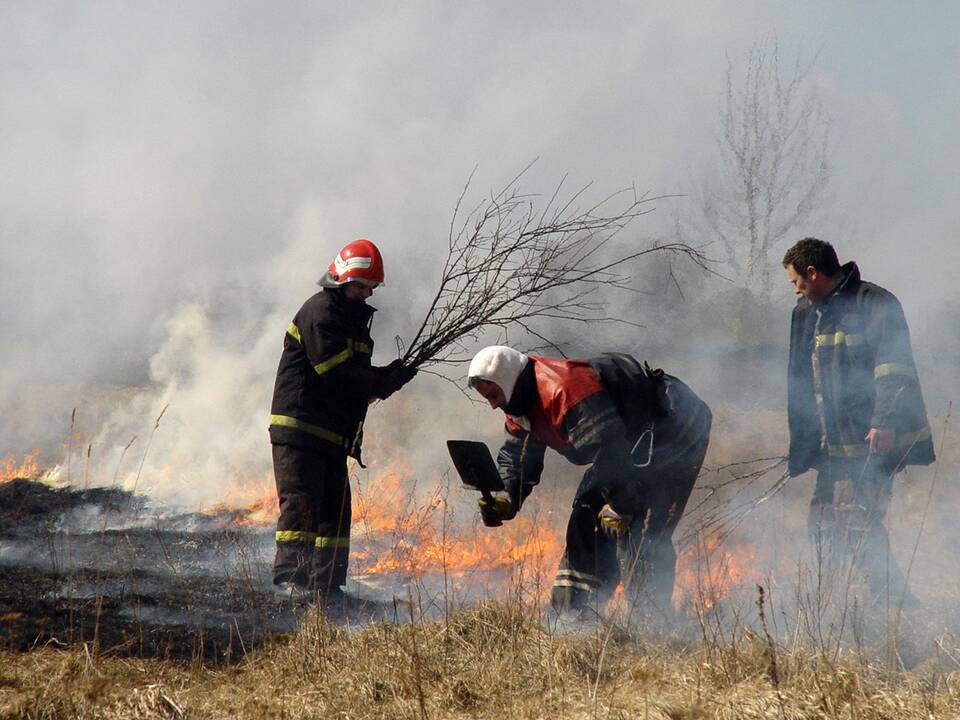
[{"x": 359, "y": 261}]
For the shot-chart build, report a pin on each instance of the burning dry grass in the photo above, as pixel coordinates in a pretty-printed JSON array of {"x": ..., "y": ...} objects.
[
  {"x": 12, "y": 468},
  {"x": 489, "y": 661},
  {"x": 504, "y": 660}
]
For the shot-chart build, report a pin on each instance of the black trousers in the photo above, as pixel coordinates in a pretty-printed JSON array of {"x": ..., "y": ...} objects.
[
  {"x": 643, "y": 558},
  {"x": 846, "y": 522},
  {"x": 313, "y": 531}
]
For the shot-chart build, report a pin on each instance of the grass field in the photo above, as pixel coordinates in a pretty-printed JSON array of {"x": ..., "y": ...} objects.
[
  {"x": 171, "y": 617},
  {"x": 491, "y": 661}
]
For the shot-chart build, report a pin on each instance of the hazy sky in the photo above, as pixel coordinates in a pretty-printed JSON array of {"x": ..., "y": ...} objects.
[{"x": 177, "y": 175}]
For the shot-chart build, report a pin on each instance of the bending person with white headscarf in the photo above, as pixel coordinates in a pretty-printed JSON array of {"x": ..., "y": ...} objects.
[{"x": 642, "y": 433}]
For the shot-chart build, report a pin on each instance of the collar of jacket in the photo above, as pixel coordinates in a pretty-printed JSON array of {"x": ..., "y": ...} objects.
[
  {"x": 523, "y": 392},
  {"x": 350, "y": 306},
  {"x": 849, "y": 283}
]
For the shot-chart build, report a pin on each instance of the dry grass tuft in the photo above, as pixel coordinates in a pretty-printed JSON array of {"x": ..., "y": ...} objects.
[{"x": 490, "y": 661}]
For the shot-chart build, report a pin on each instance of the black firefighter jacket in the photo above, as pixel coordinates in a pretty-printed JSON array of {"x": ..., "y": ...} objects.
[
  {"x": 595, "y": 412},
  {"x": 858, "y": 339},
  {"x": 325, "y": 380}
]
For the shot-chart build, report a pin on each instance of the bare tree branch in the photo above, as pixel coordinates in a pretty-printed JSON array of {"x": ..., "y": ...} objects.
[
  {"x": 512, "y": 264},
  {"x": 773, "y": 142}
]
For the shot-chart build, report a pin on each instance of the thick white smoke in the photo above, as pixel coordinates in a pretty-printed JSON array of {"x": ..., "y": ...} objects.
[{"x": 176, "y": 178}]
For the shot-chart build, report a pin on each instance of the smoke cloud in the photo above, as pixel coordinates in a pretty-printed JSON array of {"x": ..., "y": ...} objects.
[{"x": 176, "y": 178}]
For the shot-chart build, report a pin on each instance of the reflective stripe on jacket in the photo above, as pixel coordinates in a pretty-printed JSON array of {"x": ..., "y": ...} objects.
[
  {"x": 593, "y": 411},
  {"x": 323, "y": 385},
  {"x": 865, "y": 377},
  {"x": 559, "y": 385}
]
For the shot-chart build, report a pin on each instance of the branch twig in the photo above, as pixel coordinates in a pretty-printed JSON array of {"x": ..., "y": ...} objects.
[{"x": 513, "y": 265}]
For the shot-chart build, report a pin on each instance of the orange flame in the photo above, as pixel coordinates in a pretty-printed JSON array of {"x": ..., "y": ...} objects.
[
  {"x": 27, "y": 468},
  {"x": 399, "y": 535},
  {"x": 250, "y": 503},
  {"x": 708, "y": 570},
  {"x": 394, "y": 533}
]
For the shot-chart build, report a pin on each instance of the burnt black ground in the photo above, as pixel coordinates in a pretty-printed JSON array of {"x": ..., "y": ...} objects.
[{"x": 99, "y": 566}]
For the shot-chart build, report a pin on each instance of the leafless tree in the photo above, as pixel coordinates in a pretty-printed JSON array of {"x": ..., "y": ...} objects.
[
  {"x": 514, "y": 262},
  {"x": 774, "y": 169}
]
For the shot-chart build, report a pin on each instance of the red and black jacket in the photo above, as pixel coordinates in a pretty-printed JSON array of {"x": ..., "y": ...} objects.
[{"x": 593, "y": 411}]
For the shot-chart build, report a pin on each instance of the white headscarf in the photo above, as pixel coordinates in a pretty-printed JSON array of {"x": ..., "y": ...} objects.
[{"x": 498, "y": 364}]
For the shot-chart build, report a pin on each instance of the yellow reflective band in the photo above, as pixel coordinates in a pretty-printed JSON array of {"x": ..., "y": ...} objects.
[
  {"x": 328, "y": 365},
  {"x": 295, "y": 536},
  {"x": 294, "y": 332},
  {"x": 908, "y": 439},
  {"x": 839, "y": 338},
  {"x": 353, "y": 346},
  {"x": 894, "y": 369},
  {"x": 902, "y": 440},
  {"x": 323, "y": 433},
  {"x": 586, "y": 577},
  {"x": 857, "y": 450},
  {"x": 332, "y": 542},
  {"x": 572, "y": 584}
]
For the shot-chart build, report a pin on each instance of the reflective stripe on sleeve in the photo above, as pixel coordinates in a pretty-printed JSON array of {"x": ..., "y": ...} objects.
[
  {"x": 295, "y": 536},
  {"x": 294, "y": 332},
  {"x": 331, "y": 363},
  {"x": 315, "y": 430},
  {"x": 885, "y": 369},
  {"x": 342, "y": 356},
  {"x": 839, "y": 338},
  {"x": 591, "y": 428},
  {"x": 907, "y": 439}
]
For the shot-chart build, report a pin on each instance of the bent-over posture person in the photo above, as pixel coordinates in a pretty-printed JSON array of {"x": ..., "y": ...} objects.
[{"x": 642, "y": 433}]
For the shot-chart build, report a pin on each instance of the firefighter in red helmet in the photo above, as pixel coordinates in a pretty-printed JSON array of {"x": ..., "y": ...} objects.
[
  {"x": 358, "y": 262},
  {"x": 325, "y": 382}
]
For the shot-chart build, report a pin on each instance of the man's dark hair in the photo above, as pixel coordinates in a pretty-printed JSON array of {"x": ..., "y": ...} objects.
[{"x": 811, "y": 252}]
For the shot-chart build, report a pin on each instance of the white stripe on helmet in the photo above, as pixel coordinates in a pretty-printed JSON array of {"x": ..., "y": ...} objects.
[{"x": 353, "y": 263}]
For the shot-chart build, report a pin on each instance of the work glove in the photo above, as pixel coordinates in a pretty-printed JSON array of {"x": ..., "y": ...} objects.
[
  {"x": 388, "y": 379},
  {"x": 613, "y": 523},
  {"x": 496, "y": 511},
  {"x": 401, "y": 374}
]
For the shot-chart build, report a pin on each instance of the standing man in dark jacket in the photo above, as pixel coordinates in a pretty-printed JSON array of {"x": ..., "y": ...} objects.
[
  {"x": 324, "y": 384},
  {"x": 855, "y": 408},
  {"x": 644, "y": 435}
]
